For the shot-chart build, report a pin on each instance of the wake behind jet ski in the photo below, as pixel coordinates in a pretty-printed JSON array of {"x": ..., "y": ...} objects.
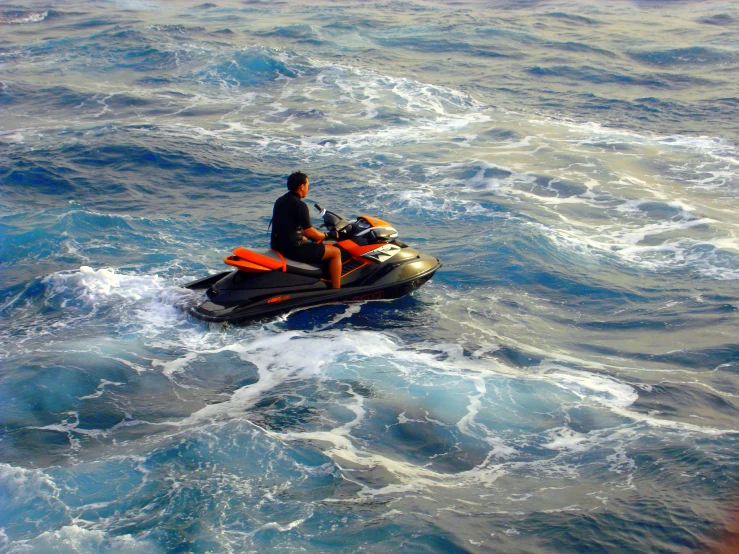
[{"x": 375, "y": 265}]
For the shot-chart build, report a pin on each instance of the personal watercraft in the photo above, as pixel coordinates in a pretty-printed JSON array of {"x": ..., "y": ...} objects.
[{"x": 375, "y": 265}]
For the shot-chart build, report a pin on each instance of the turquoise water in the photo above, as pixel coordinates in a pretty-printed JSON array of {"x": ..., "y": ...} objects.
[{"x": 567, "y": 382}]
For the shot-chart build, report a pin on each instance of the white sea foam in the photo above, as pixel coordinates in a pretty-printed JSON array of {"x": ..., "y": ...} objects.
[
  {"x": 145, "y": 297},
  {"x": 70, "y": 427},
  {"x": 287, "y": 357},
  {"x": 31, "y": 17},
  {"x": 29, "y": 500},
  {"x": 93, "y": 285},
  {"x": 13, "y": 137},
  {"x": 26, "y": 485},
  {"x": 74, "y": 539},
  {"x": 566, "y": 439},
  {"x": 276, "y": 526},
  {"x": 101, "y": 389},
  {"x": 593, "y": 387}
]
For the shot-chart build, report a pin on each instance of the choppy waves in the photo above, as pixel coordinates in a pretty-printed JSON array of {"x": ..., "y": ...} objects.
[
  {"x": 287, "y": 428},
  {"x": 570, "y": 372}
]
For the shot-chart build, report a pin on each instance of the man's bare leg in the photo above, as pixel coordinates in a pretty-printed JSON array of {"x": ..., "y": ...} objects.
[{"x": 333, "y": 255}]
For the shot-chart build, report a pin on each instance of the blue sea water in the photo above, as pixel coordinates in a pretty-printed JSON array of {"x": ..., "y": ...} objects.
[{"x": 567, "y": 382}]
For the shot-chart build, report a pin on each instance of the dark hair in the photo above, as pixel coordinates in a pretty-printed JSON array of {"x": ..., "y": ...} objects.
[{"x": 295, "y": 180}]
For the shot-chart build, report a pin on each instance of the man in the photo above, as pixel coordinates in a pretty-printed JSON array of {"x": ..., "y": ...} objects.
[{"x": 292, "y": 227}]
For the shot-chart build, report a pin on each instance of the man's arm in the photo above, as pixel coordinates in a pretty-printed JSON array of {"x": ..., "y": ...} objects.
[{"x": 314, "y": 234}]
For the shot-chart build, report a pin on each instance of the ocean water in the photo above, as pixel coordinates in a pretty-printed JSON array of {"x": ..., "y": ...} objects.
[{"x": 567, "y": 382}]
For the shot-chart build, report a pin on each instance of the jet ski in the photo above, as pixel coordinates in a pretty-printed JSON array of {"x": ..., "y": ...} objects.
[{"x": 376, "y": 265}]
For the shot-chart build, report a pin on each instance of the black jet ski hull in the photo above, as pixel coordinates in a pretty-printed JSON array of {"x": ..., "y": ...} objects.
[{"x": 237, "y": 304}]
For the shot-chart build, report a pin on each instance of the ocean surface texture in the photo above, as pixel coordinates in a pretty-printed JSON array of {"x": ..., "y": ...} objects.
[{"x": 567, "y": 382}]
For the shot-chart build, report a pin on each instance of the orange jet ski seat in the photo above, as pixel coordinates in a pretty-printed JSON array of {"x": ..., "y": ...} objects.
[{"x": 253, "y": 261}]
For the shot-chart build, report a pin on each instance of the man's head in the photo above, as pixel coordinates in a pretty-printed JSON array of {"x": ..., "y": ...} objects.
[{"x": 295, "y": 180}]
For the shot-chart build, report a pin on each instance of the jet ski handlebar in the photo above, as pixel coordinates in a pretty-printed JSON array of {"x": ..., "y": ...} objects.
[
  {"x": 371, "y": 229},
  {"x": 332, "y": 220}
]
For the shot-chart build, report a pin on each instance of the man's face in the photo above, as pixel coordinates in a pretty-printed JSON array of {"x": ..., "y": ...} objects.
[{"x": 303, "y": 189}]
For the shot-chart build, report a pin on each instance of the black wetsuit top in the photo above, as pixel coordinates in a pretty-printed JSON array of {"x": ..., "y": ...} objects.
[{"x": 290, "y": 217}]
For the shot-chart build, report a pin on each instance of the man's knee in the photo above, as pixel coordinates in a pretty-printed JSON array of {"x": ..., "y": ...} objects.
[{"x": 331, "y": 252}]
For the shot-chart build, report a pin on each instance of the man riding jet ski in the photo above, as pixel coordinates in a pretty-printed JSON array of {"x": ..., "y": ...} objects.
[
  {"x": 371, "y": 264},
  {"x": 292, "y": 227}
]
